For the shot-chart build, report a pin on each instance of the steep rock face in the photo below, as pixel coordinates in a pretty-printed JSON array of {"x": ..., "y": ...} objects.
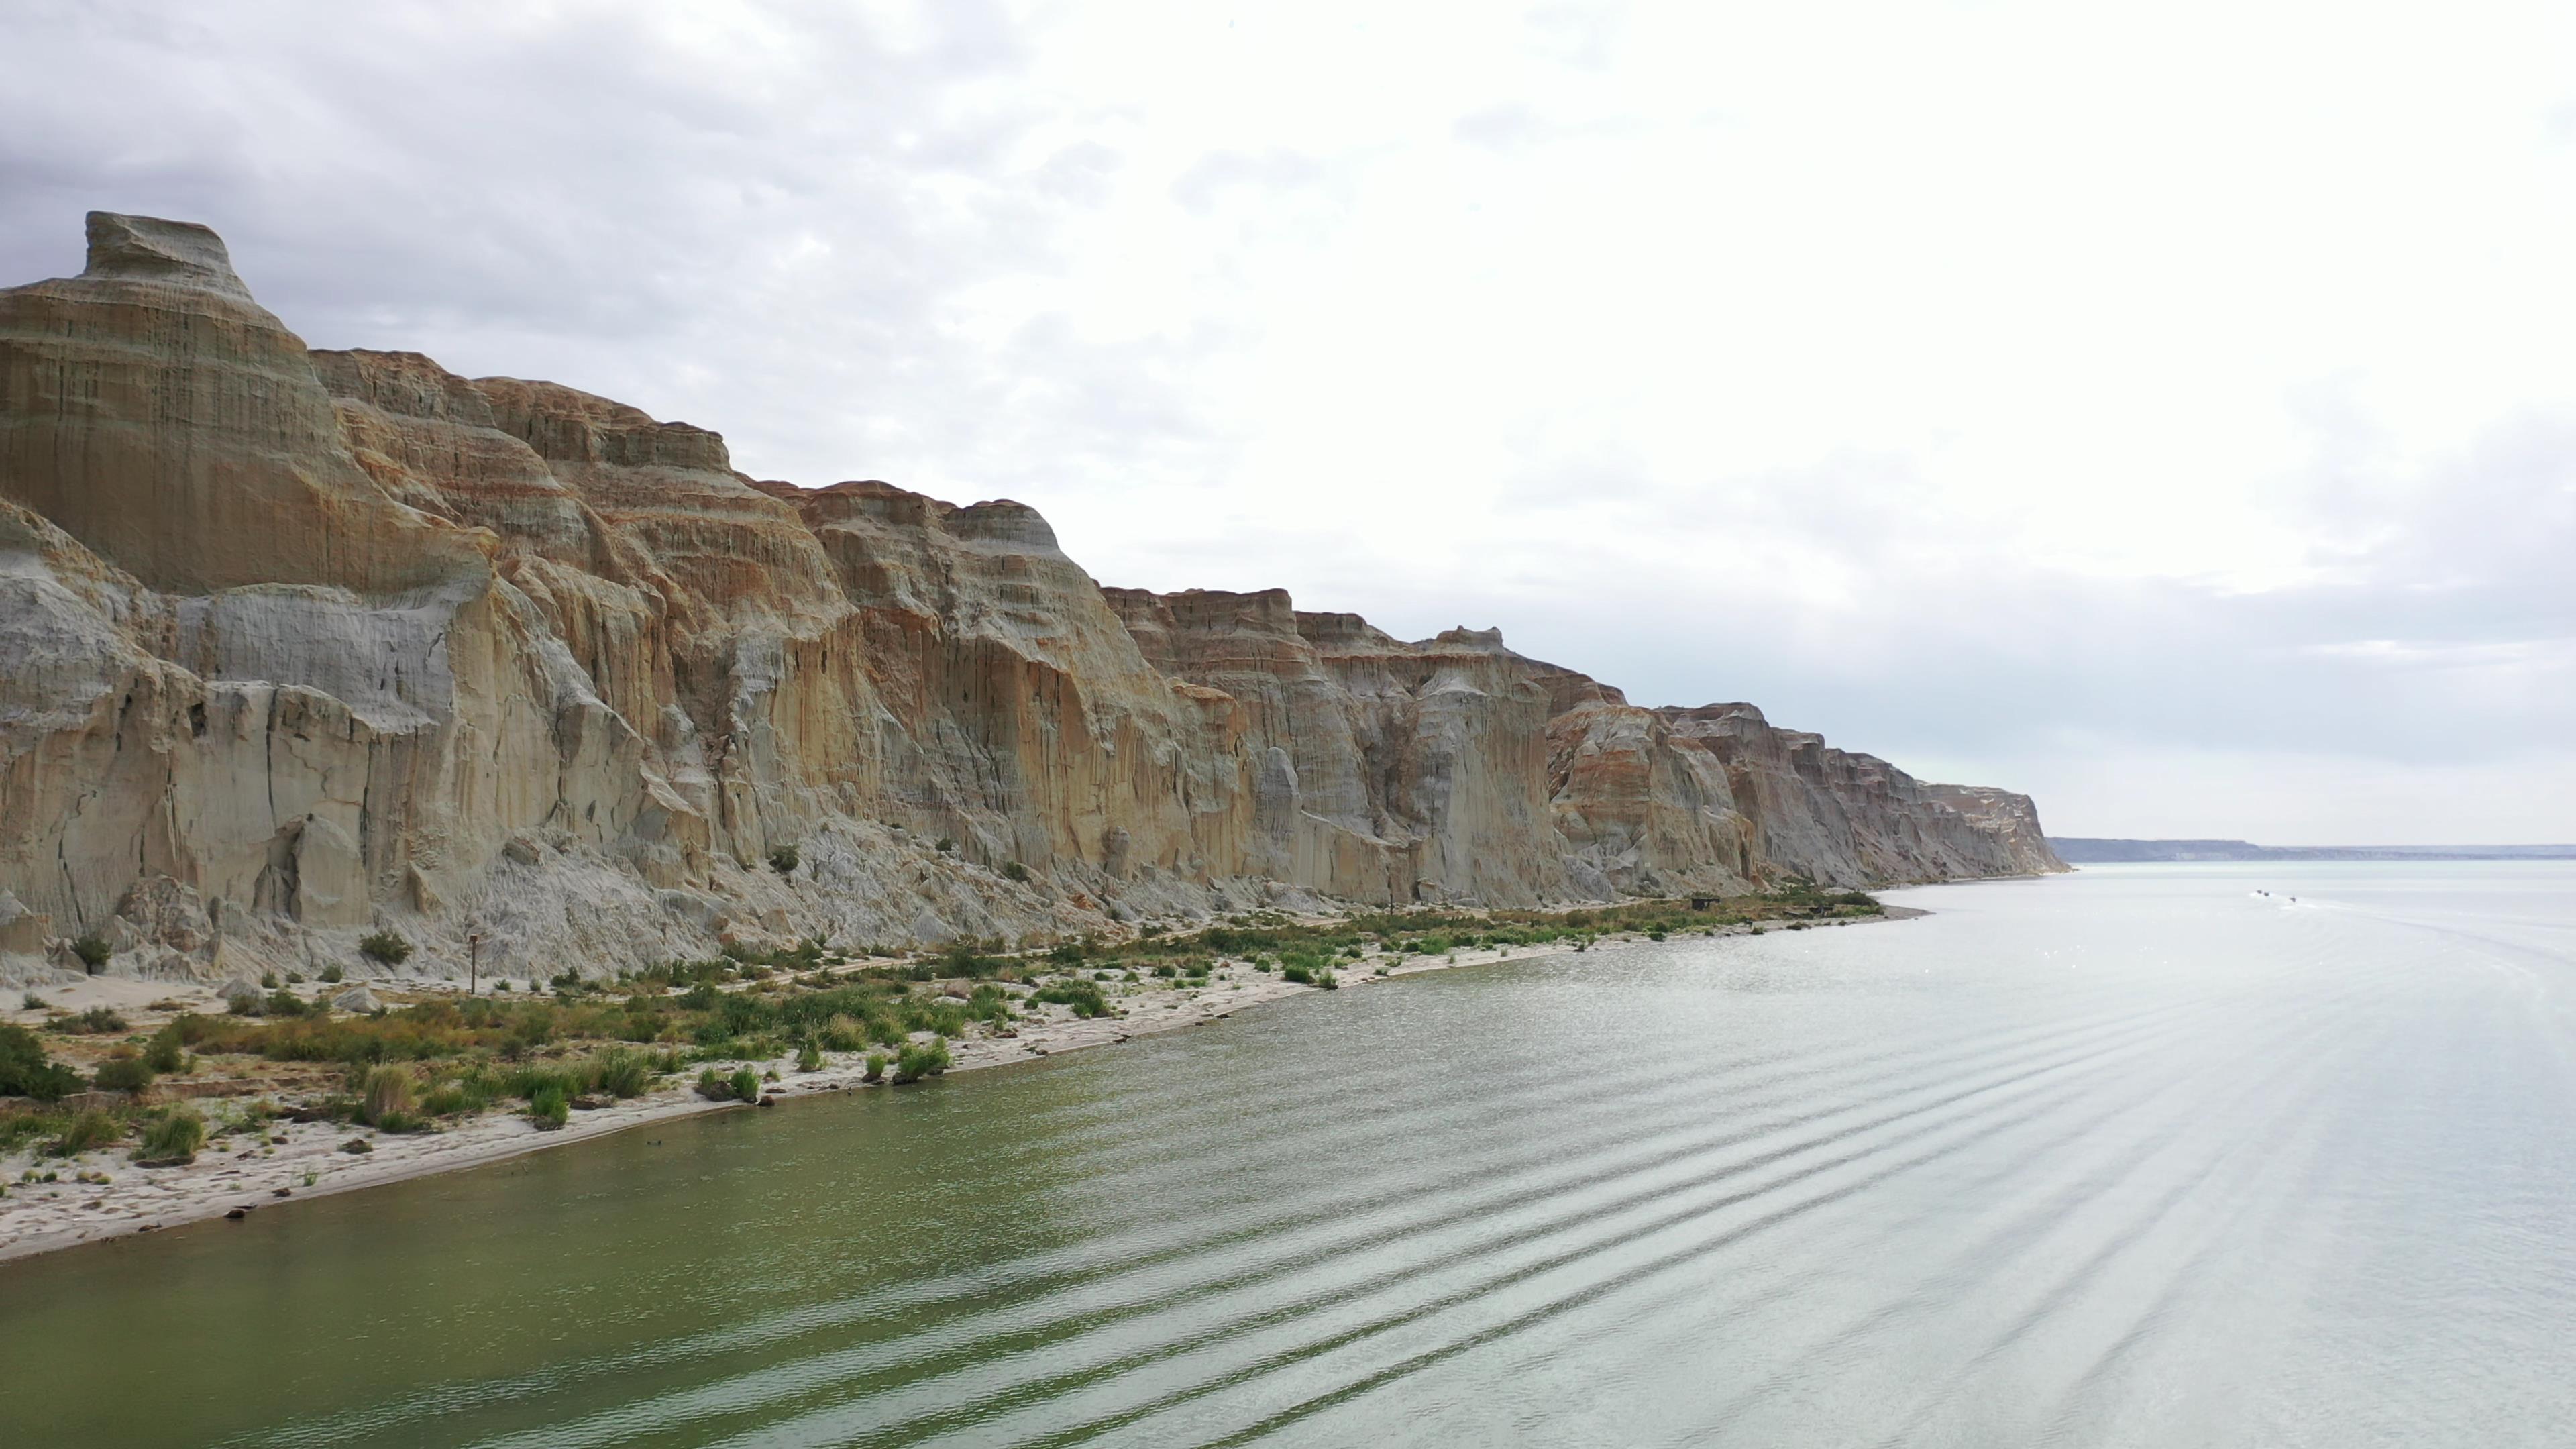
[
  {"x": 252, "y": 647},
  {"x": 1017, "y": 713},
  {"x": 1455, "y": 768},
  {"x": 1829, "y": 815},
  {"x": 298, "y": 644},
  {"x": 159, "y": 415}
]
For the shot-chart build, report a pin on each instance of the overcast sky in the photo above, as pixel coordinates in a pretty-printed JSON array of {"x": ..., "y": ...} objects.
[{"x": 2171, "y": 414}]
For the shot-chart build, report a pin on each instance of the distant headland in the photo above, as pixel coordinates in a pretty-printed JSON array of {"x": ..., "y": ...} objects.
[{"x": 2094, "y": 850}]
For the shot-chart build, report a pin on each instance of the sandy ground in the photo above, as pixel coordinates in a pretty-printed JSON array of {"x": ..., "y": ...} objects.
[{"x": 298, "y": 1161}]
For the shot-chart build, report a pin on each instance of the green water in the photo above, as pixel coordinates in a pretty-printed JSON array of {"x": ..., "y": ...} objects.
[{"x": 2134, "y": 1157}]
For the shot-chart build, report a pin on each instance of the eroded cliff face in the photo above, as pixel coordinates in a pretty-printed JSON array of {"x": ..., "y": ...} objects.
[{"x": 296, "y": 644}]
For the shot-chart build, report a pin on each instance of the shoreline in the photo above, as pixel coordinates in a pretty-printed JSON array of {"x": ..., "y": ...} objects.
[{"x": 310, "y": 1163}]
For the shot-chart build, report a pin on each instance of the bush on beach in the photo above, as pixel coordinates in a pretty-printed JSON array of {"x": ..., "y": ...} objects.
[
  {"x": 173, "y": 1139},
  {"x": 89, "y": 1128},
  {"x": 920, "y": 1059},
  {"x": 548, "y": 1109}
]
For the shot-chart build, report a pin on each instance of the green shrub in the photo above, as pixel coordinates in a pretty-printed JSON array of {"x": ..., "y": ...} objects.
[
  {"x": 548, "y": 1109},
  {"x": 947, "y": 843},
  {"x": 876, "y": 1067},
  {"x": 623, "y": 1073},
  {"x": 784, "y": 860},
  {"x": 1016, "y": 871},
  {"x": 92, "y": 951},
  {"x": 175, "y": 1138},
  {"x": 332, "y": 975},
  {"x": 809, "y": 1057},
  {"x": 25, "y": 1070},
  {"x": 123, "y": 1074},
  {"x": 842, "y": 1033},
  {"x": 91, "y": 1127},
  {"x": 746, "y": 1085},
  {"x": 32, "y": 1002},
  {"x": 97, "y": 1021},
  {"x": 528, "y": 1081},
  {"x": 384, "y": 1092},
  {"x": 385, "y": 946},
  {"x": 168, "y": 1050},
  {"x": 988, "y": 1002},
  {"x": 919, "y": 1060},
  {"x": 964, "y": 960},
  {"x": 714, "y": 1086},
  {"x": 1082, "y": 996}
]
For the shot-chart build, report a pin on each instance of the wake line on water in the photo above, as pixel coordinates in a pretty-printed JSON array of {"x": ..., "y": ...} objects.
[
  {"x": 2319, "y": 1049},
  {"x": 1741, "y": 1304},
  {"x": 2038, "y": 1112},
  {"x": 1643, "y": 1272},
  {"x": 875, "y": 1418},
  {"x": 838, "y": 1371},
  {"x": 1975, "y": 1263},
  {"x": 1686, "y": 1096},
  {"x": 1955, "y": 1121}
]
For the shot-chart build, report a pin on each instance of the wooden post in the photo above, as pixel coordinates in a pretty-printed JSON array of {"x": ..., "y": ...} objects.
[{"x": 474, "y": 967}]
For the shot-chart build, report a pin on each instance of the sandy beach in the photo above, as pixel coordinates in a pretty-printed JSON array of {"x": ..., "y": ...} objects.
[{"x": 299, "y": 1161}]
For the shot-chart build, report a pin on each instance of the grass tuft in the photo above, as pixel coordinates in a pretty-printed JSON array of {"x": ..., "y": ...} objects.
[
  {"x": 173, "y": 1139},
  {"x": 920, "y": 1059},
  {"x": 126, "y": 1073},
  {"x": 548, "y": 1108}
]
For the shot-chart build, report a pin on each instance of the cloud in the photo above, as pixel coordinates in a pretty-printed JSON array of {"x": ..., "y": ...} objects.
[
  {"x": 1506, "y": 127},
  {"x": 1211, "y": 175},
  {"x": 1962, "y": 396}
]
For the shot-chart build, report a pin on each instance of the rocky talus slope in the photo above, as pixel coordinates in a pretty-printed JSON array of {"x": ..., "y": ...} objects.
[{"x": 295, "y": 645}]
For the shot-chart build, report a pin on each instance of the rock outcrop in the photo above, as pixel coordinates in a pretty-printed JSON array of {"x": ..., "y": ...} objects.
[{"x": 295, "y": 645}]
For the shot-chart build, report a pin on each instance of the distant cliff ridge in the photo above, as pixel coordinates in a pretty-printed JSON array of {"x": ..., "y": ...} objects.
[
  {"x": 2093, "y": 850},
  {"x": 296, "y": 644}
]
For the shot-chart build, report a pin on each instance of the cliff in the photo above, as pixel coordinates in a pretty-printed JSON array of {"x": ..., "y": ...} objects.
[{"x": 295, "y": 645}]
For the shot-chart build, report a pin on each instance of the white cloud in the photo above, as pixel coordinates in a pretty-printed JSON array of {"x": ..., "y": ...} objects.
[{"x": 2002, "y": 384}]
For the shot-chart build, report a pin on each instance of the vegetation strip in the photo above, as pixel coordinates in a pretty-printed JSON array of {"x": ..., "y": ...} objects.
[{"x": 278, "y": 1065}]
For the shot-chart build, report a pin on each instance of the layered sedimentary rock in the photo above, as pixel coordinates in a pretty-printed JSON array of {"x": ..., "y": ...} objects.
[{"x": 296, "y": 645}]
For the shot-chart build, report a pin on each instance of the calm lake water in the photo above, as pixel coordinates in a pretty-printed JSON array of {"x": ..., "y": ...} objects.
[{"x": 2131, "y": 1157}]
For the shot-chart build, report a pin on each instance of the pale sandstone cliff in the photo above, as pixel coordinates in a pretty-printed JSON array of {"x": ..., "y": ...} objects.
[{"x": 297, "y": 644}]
